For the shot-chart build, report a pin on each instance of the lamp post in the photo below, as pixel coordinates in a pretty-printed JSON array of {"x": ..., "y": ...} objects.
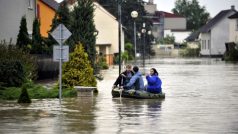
[
  {"x": 144, "y": 32},
  {"x": 119, "y": 30},
  {"x": 134, "y": 15},
  {"x": 149, "y": 33},
  {"x": 139, "y": 37}
]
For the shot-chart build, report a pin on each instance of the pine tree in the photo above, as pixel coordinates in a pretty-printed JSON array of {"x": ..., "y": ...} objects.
[
  {"x": 23, "y": 37},
  {"x": 78, "y": 71},
  {"x": 83, "y": 27},
  {"x": 62, "y": 16},
  {"x": 36, "y": 38}
]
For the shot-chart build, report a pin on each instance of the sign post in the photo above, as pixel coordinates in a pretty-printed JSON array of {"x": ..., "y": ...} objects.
[{"x": 60, "y": 34}]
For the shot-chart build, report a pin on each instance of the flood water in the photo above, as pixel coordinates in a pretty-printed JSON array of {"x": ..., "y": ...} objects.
[{"x": 201, "y": 97}]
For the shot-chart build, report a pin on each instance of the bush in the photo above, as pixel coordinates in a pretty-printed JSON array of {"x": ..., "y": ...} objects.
[
  {"x": 11, "y": 73},
  {"x": 190, "y": 52},
  {"x": 25, "y": 59},
  {"x": 78, "y": 71},
  {"x": 24, "y": 97}
]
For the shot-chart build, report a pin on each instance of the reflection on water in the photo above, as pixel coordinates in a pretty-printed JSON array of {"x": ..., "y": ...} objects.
[{"x": 201, "y": 97}]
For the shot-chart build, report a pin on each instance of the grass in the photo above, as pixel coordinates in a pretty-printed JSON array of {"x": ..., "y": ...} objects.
[{"x": 35, "y": 91}]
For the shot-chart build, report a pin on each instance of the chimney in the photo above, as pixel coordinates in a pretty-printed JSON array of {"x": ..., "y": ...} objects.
[{"x": 233, "y": 7}]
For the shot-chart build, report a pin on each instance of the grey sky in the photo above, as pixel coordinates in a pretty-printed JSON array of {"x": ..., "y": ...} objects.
[{"x": 212, "y": 6}]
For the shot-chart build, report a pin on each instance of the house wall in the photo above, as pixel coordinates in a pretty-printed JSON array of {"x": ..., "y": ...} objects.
[
  {"x": 175, "y": 23},
  {"x": 219, "y": 36},
  {"x": 233, "y": 37},
  {"x": 46, "y": 15},
  {"x": 107, "y": 26},
  {"x": 11, "y": 12},
  {"x": 205, "y": 41}
]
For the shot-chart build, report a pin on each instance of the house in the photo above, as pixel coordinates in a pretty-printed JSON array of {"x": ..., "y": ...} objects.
[
  {"x": 167, "y": 21},
  {"x": 11, "y": 12},
  {"x": 46, "y": 10},
  {"x": 107, "y": 40},
  {"x": 215, "y": 34},
  {"x": 233, "y": 29}
]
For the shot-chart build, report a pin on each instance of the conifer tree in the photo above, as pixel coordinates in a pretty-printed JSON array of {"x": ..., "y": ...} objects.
[
  {"x": 62, "y": 16},
  {"x": 83, "y": 27},
  {"x": 36, "y": 38},
  {"x": 23, "y": 37},
  {"x": 78, "y": 71}
]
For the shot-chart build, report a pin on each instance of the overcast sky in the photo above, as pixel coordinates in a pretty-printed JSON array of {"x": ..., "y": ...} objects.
[{"x": 212, "y": 6}]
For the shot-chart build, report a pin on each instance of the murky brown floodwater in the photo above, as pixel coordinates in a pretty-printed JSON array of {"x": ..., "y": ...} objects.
[{"x": 201, "y": 97}]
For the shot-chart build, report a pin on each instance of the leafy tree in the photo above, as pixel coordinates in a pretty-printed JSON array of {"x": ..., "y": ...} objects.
[
  {"x": 130, "y": 52},
  {"x": 83, "y": 27},
  {"x": 36, "y": 38},
  {"x": 78, "y": 71},
  {"x": 23, "y": 37},
  {"x": 168, "y": 40},
  {"x": 196, "y": 15}
]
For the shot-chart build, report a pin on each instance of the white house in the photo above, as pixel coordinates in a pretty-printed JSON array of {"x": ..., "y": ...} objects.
[
  {"x": 215, "y": 34},
  {"x": 11, "y": 12},
  {"x": 107, "y": 41},
  {"x": 233, "y": 36}
]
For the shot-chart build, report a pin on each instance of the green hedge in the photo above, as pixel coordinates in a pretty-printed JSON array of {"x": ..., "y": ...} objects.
[{"x": 35, "y": 92}]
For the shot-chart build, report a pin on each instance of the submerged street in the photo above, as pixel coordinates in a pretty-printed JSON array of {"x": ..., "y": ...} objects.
[{"x": 201, "y": 97}]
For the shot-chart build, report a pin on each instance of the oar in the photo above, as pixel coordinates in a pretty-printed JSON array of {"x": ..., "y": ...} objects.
[{"x": 121, "y": 89}]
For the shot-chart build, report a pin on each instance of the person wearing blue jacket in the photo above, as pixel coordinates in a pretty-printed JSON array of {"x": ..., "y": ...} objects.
[
  {"x": 153, "y": 82},
  {"x": 136, "y": 80}
]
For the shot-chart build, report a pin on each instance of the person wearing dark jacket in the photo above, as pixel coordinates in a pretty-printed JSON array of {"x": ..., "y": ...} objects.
[
  {"x": 124, "y": 77},
  {"x": 136, "y": 81},
  {"x": 153, "y": 82}
]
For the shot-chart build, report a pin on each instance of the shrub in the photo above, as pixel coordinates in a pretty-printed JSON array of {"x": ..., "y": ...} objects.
[
  {"x": 24, "y": 97},
  {"x": 11, "y": 73},
  {"x": 78, "y": 71},
  {"x": 27, "y": 61}
]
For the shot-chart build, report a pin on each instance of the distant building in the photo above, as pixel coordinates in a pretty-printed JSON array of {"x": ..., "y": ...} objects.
[
  {"x": 213, "y": 35},
  {"x": 11, "y": 12},
  {"x": 167, "y": 21},
  {"x": 46, "y": 10},
  {"x": 107, "y": 40}
]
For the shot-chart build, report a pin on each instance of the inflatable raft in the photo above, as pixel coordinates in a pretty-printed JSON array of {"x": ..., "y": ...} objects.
[{"x": 139, "y": 94}]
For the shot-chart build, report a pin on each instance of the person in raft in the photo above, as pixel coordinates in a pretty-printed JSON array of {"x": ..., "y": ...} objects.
[
  {"x": 153, "y": 82},
  {"x": 136, "y": 81},
  {"x": 124, "y": 77}
]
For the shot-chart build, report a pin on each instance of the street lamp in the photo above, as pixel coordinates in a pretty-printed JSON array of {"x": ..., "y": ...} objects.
[
  {"x": 144, "y": 32},
  {"x": 134, "y": 15}
]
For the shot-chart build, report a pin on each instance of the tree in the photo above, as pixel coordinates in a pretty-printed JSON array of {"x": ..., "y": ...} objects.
[
  {"x": 78, "y": 71},
  {"x": 196, "y": 15},
  {"x": 23, "y": 37},
  {"x": 83, "y": 28},
  {"x": 36, "y": 38}
]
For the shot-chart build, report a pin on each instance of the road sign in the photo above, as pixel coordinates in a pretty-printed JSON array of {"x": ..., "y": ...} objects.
[
  {"x": 56, "y": 53},
  {"x": 61, "y": 33},
  {"x": 61, "y": 53}
]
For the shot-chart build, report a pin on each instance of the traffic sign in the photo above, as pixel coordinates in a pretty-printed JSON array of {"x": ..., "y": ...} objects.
[
  {"x": 61, "y": 33},
  {"x": 56, "y": 53}
]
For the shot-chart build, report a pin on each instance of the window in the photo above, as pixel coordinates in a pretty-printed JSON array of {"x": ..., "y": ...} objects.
[
  {"x": 30, "y": 4},
  {"x": 209, "y": 44}
]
